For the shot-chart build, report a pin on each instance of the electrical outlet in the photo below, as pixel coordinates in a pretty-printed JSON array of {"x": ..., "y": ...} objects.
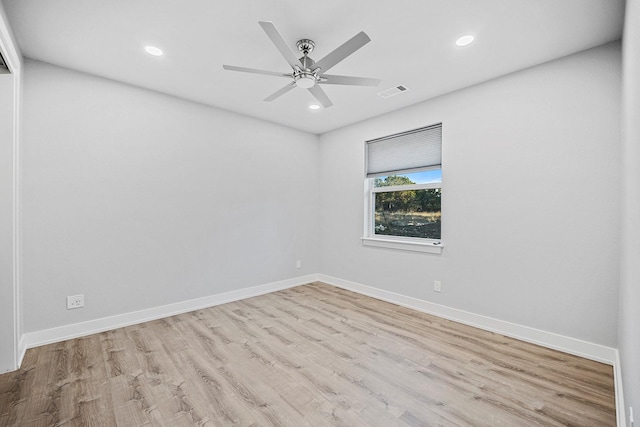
[
  {"x": 298, "y": 263},
  {"x": 437, "y": 286},
  {"x": 75, "y": 301}
]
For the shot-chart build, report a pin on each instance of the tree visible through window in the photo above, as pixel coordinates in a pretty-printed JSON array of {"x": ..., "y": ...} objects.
[{"x": 407, "y": 213}]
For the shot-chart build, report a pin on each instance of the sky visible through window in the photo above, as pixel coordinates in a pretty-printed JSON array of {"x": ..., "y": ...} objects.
[{"x": 424, "y": 177}]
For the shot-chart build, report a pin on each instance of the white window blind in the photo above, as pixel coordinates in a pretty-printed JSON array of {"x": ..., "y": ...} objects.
[{"x": 412, "y": 151}]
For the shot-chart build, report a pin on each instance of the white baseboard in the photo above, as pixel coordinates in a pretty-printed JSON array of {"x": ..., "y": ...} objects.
[
  {"x": 547, "y": 339},
  {"x": 22, "y": 349},
  {"x": 563, "y": 343},
  {"x": 621, "y": 413},
  {"x": 62, "y": 333}
]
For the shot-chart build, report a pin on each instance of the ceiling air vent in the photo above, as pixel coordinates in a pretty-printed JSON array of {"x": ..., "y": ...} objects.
[{"x": 393, "y": 91}]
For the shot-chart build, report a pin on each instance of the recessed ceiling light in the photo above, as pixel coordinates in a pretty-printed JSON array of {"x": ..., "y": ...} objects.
[
  {"x": 465, "y": 40},
  {"x": 152, "y": 50},
  {"x": 314, "y": 106}
]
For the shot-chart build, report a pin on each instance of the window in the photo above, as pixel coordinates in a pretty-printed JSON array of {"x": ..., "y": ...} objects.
[{"x": 404, "y": 190}]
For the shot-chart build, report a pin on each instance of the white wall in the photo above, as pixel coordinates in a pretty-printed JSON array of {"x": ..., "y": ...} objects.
[
  {"x": 629, "y": 336},
  {"x": 530, "y": 199},
  {"x": 137, "y": 199}
]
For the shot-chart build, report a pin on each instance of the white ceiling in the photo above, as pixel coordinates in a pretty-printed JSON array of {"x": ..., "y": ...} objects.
[{"x": 412, "y": 43}]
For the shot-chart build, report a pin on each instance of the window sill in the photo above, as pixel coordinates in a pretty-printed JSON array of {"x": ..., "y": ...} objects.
[{"x": 403, "y": 245}]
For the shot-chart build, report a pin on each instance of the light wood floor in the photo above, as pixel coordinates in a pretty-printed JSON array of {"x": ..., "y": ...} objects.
[{"x": 313, "y": 355}]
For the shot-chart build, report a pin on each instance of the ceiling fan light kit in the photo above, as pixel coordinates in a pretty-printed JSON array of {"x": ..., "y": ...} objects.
[{"x": 306, "y": 73}]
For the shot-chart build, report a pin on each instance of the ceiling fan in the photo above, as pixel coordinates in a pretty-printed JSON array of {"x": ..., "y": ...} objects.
[{"x": 306, "y": 73}]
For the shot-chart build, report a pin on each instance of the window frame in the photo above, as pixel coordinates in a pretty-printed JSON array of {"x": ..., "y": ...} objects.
[{"x": 370, "y": 238}]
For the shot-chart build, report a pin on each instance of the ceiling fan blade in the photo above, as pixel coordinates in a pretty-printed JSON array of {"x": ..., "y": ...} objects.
[
  {"x": 280, "y": 92},
  {"x": 281, "y": 45},
  {"x": 347, "y": 80},
  {"x": 346, "y": 49},
  {"x": 255, "y": 71},
  {"x": 322, "y": 97}
]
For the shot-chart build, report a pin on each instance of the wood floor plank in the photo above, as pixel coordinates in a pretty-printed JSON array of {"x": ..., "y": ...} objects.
[
  {"x": 313, "y": 355},
  {"x": 498, "y": 359}
]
